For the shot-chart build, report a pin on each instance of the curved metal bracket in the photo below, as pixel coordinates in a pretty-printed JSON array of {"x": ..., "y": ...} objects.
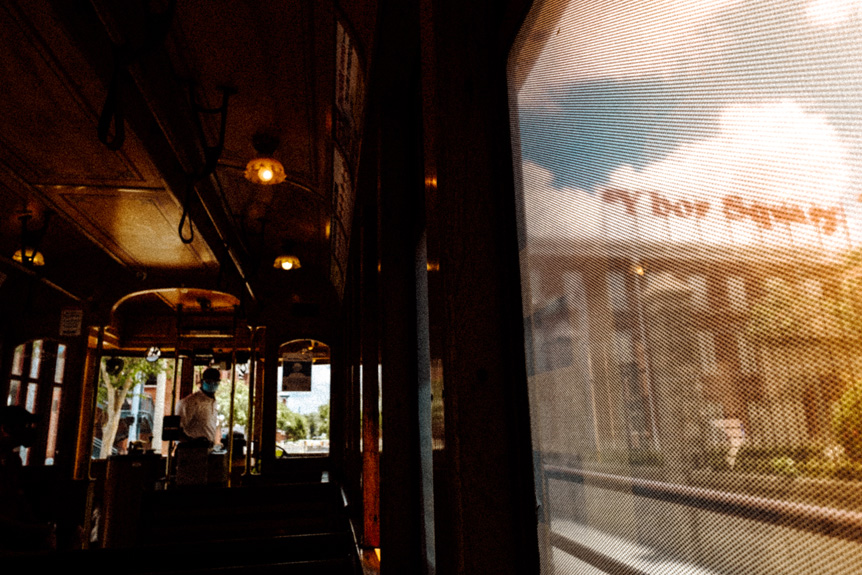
[
  {"x": 157, "y": 26},
  {"x": 211, "y": 153}
]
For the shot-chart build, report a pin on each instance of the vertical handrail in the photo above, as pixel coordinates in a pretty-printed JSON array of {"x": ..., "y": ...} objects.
[
  {"x": 232, "y": 395},
  {"x": 174, "y": 386},
  {"x": 97, "y": 373},
  {"x": 252, "y": 369}
]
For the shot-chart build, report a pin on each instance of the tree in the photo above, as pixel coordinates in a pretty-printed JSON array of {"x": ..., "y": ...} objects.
[
  {"x": 293, "y": 425},
  {"x": 240, "y": 403},
  {"x": 847, "y": 421},
  {"x": 118, "y": 377},
  {"x": 322, "y": 416}
]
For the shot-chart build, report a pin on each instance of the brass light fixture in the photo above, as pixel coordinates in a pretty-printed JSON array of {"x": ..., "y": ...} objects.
[
  {"x": 28, "y": 254},
  {"x": 287, "y": 260},
  {"x": 265, "y": 169}
]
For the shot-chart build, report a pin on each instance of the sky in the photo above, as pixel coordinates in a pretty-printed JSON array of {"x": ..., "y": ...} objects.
[{"x": 711, "y": 121}]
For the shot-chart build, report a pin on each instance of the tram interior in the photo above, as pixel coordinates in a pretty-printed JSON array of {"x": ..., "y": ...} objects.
[
  {"x": 128, "y": 129},
  {"x": 505, "y": 287}
]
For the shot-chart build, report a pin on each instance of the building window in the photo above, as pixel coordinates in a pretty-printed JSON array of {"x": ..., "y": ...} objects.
[
  {"x": 617, "y": 292},
  {"x": 747, "y": 358},
  {"x": 706, "y": 347},
  {"x": 699, "y": 292},
  {"x": 736, "y": 293}
]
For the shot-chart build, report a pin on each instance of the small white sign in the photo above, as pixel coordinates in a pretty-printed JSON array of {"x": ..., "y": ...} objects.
[{"x": 70, "y": 322}]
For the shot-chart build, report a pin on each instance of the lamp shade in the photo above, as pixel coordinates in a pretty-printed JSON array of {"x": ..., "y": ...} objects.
[
  {"x": 34, "y": 257},
  {"x": 265, "y": 171},
  {"x": 287, "y": 262}
]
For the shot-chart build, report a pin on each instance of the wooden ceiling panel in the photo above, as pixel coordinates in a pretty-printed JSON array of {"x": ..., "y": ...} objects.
[
  {"x": 265, "y": 52},
  {"x": 138, "y": 227},
  {"x": 49, "y": 130}
]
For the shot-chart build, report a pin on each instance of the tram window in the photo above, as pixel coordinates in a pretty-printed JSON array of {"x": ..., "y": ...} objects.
[
  {"x": 35, "y": 359},
  {"x": 302, "y": 418},
  {"x": 53, "y": 425},
  {"x": 29, "y": 383},
  {"x": 60, "y": 366},
  {"x": 56, "y": 396},
  {"x": 736, "y": 293},
  {"x": 18, "y": 360},
  {"x": 30, "y": 401},
  {"x": 14, "y": 392},
  {"x": 698, "y": 163},
  {"x": 129, "y": 410}
]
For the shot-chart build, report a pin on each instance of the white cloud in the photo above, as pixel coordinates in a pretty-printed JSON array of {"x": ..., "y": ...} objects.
[
  {"x": 771, "y": 154},
  {"x": 832, "y": 13},
  {"x": 552, "y": 212},
  {"x": 772, "y": 175}
]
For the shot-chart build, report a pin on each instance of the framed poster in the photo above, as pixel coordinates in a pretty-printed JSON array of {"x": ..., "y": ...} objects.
[{"x": 296, "y": 373}]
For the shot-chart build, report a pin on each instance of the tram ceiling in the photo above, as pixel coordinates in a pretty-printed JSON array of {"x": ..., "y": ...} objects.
[{"x": 126, "y": 194}]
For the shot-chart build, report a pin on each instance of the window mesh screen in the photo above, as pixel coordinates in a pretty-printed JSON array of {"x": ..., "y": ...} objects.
[{"x": 691, "y": 191}]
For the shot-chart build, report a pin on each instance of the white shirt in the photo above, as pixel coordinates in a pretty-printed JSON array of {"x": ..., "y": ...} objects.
[{"x": 198, "y": 416}]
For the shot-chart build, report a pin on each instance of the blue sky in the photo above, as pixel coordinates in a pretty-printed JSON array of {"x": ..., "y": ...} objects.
[{"x": 594, "y": 118}]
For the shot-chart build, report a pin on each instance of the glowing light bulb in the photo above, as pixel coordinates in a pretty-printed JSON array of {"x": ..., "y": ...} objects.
[
  {"x": 265, "y": 174},
  {"x": 286, "y": 265}
]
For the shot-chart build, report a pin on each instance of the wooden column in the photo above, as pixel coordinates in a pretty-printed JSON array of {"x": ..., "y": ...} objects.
[
  {"x": 370, "y": 360},
  {"x": 488, "y": 449},
  {"x": 406, "y": 491}
]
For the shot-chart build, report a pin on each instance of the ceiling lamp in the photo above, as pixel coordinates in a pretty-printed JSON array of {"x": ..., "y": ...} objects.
[
  {"x": 153, "y": 354},
  {"x": 29, "y": 253},
  {"x": 264, "y": 169},
  {"x": 29, "y": 257},
  {"x": 287, "y": 260}
]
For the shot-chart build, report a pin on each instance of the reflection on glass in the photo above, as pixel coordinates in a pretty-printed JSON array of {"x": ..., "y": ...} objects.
[{"x": 698, "y": 168}]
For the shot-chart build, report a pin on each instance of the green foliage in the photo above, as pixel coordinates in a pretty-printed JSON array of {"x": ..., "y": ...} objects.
[
  {"x": 786, "y": 312},
  {"x": 318, "y": 423},
  {"x": 240, "y": 406},
  {"x": 784, "y": 466},
  {"x": 293, "y": 425},
  {"x": 135, "y": 370},
  {"x": 847, "y": 421},
  {"x": 114, "y": 389}
]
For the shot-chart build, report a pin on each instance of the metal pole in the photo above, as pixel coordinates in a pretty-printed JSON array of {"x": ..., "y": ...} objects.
[
  {"x": 97, "y": 374},
  {"x": 174, "y": 387},
  {"x": 249, "y": 428},
  {"x": 232, "y": 394}
]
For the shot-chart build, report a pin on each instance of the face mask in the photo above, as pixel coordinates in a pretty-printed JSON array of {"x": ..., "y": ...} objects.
[{"x": 209, "y": 387}]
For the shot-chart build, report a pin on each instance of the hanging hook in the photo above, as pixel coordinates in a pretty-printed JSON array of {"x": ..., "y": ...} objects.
[
  {"x": 157, "y": 26},
  {"x": 211, "y": 153},
  {"x": 187, "y": 240}
]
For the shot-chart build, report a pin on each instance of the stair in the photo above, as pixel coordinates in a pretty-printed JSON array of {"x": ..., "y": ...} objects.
[{"x": 294, "y": 529}]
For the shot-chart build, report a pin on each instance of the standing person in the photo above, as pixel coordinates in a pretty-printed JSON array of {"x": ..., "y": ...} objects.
[{"x": 198, "y": 414}]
